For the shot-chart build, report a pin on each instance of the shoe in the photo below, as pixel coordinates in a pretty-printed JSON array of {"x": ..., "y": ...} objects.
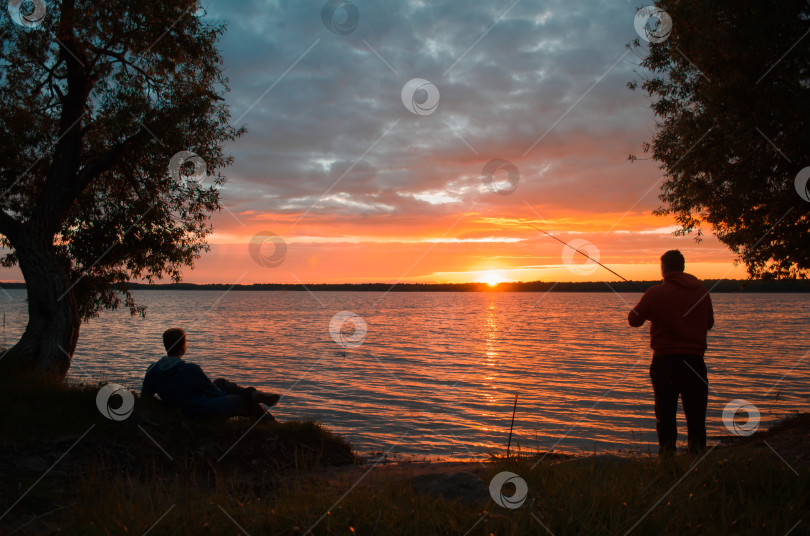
[{"x": 267, "y": 399}]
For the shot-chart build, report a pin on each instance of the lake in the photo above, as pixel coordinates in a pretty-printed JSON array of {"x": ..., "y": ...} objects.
[{"x": 436, "y": 374}]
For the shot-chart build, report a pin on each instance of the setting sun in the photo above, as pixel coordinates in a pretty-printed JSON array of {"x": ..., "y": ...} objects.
[{"x": 492, "y": 278}]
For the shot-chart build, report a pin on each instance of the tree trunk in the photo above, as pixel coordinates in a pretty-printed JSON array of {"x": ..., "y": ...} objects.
[{"x": 46, "y": 347}]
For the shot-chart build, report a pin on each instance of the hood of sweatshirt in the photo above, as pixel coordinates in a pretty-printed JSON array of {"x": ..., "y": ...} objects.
[
  {"x": 169, "y": 361},
  {"x": 682, "y": 279}
]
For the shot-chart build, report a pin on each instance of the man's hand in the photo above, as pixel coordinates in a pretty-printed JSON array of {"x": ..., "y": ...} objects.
[{"x": 634, "y": 319}]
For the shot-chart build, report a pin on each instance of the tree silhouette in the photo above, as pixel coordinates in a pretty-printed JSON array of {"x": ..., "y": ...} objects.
[
  {"x": 730, "y": 89},
  {"x": 113, "y": 125}
]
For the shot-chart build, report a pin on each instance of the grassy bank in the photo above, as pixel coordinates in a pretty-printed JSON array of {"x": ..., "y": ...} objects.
[{"x": 159, "y": 473}]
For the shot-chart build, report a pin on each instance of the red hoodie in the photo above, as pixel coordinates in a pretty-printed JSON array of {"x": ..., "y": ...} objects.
[{"x": 680, "y": 313}]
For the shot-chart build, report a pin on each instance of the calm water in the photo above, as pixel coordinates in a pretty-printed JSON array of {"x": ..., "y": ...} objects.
[{"x": 437, "y": 372}]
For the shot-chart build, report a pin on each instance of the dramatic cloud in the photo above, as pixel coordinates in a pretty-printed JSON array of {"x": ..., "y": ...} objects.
[{"x": 539, "y": 84}]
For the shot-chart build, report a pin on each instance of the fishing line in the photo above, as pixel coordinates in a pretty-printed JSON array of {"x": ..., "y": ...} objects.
[{"x": 578, "y": 251}]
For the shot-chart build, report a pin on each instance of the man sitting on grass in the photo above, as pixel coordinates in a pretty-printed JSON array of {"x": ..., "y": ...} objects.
[{"x": 186, "y": 386}]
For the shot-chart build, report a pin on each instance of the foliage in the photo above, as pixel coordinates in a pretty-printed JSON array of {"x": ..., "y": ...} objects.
[
  {"x": 730, "y": 89},
  {"x": 94, "y": 102}
]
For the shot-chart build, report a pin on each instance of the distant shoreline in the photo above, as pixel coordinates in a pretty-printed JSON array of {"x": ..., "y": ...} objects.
[{"x": 716, "y": 286}]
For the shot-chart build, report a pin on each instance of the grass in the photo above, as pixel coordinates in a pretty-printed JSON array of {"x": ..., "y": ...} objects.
[
  {"x": 116, "y": 481},
  {"x": 732, "y": 494}
]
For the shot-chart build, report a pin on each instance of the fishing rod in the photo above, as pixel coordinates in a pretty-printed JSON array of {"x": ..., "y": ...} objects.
[
  {"x": 514, "y": 409},
  {"x": 580, "y": 252}
]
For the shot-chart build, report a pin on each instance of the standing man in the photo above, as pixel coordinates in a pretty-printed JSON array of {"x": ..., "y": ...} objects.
[{"x": 680, "y": 314}]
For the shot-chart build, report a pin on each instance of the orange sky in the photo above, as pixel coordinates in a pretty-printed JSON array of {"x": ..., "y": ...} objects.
[
  {"x": 476, "y": 237},
  {"x": 479, "y": 245}
]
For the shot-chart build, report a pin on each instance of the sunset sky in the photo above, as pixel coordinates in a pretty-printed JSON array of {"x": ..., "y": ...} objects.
[{"x": 363, "y": 190}]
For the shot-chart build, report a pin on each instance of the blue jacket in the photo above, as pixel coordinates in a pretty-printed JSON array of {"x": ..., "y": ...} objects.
[{"x": 180, "y": 384}]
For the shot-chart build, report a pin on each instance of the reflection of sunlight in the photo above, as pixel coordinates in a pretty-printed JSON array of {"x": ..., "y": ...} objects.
[
  {"x": 491, "y": 333},
  {"x": 491, "y": 353}
]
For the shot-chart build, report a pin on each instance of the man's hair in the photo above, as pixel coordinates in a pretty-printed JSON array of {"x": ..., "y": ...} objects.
[
  {"x": 173, "y": 340},
  {"x": 673, "y": 261}
]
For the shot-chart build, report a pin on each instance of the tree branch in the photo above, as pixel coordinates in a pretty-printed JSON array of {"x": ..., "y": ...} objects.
[
  {"x": 106, "y": 161},
  {"x": 9, "y": 226},
  {"x": 60, "y": 190},
  {"x": 121, "y": 58}
]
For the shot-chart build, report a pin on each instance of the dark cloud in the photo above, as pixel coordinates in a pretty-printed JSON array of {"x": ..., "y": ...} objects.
[{"x": 499, "y": 94}]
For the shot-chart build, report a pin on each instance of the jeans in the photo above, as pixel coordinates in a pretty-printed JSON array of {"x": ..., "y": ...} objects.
[
  {"x": 684, "y": 375},
  {"x": 236, "y": 401}
]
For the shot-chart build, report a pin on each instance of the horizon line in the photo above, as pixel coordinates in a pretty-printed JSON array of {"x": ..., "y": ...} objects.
[{"x": 793, "y": 284}]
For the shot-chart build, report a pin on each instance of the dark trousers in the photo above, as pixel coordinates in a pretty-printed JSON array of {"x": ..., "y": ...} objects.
[
  {"x": 231, "y": 388},
  {"x": 684, "y": 375},
  {"x": 238, "y": 401}
]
